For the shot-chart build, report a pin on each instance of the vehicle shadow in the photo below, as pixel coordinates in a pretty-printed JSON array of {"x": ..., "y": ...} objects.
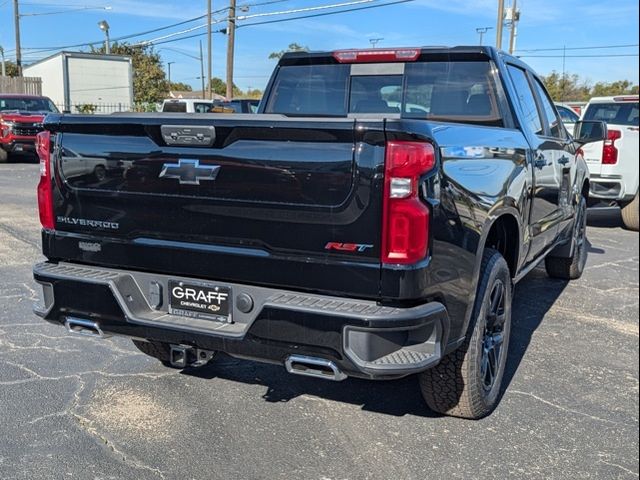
[
  {"x": 533, "y": 298},
  {"x": 23, "y": 158},
  {"x": 609, "y": 217}
]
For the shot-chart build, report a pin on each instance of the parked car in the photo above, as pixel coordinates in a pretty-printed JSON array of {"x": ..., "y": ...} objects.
[
  {"x": 332, "y": 232},
  {"x": 187, "y": 105},
  {"x": 568, "y": 115},
  {"x": 613, "y": 164},
  {"x": 20, "y": 120},
  {"x": 242, "y": 105}
]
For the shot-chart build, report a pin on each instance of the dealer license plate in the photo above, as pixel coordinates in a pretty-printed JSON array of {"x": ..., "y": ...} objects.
[{"x": 200, "y": 300}]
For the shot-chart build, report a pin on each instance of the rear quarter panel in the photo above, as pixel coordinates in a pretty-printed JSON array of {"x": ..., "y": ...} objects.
[{"x": 483, "y": 173}]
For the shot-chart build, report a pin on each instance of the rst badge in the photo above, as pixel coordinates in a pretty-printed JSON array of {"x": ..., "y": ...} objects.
[{"x": 347, "y": 247}]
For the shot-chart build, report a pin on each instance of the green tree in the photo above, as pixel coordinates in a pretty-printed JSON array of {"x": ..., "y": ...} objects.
[
  {"x": 11, "y": 68},
  {"x": 179, "y": 86},
  {"x": 566, "y": 87},
  {"x": 570, "y": 87},
  {"x": 293, "y": 47},
  {"x": 149, "y": 82},
  {"x": 253, "y": 93},
  {"x": 219, "y": 86},
  {"x": 621, "y": 87}
]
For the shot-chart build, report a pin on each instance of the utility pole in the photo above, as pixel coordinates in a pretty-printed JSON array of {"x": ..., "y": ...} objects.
[
  {"x": 374, "y": 42},
  {"x": 209, "y": 53},
  {"x": 514, "y": 15},
  {"x": 169, "y": 72},
  {"x": 499, "y": 24},
  {"x": 481, "y": 31},
  {"x": 16, "y": 21},
  {"x": 3, "y": 72},
  {"x": 231, "y": 40},
  {"x": 202, "y": 69}
]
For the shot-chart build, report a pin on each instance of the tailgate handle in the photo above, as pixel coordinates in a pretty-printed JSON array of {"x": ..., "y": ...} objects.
[{"x": 192, "y": 136}]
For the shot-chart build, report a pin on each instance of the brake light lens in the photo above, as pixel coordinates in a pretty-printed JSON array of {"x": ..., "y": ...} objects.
[
  {"x": 45, "y": 191},
  {"x": 405, "y": 230},
  {"x": 628, "y": 98},
  {"x": 377, "y": 55},
  {"x": 609, "y": 150}
]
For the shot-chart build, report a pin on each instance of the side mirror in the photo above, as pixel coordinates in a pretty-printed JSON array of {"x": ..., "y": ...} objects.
[{"x": 589, "y": 131}]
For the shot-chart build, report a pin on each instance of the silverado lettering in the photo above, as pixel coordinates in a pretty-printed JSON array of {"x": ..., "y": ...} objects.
[
  {"x": 449, "y": 166},
  {"x": 88, "y": 223}
]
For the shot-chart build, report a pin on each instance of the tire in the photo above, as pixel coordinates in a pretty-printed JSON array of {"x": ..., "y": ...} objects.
[
  {"x": 572, "y": 268},
  {"x": 467, "y": 382},
  {"x": 630, "y": 214},
  {"x": 4, "y": 156}
]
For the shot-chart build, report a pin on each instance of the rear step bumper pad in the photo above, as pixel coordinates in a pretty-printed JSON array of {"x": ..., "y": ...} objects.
[{"x": 361, "y": 337}]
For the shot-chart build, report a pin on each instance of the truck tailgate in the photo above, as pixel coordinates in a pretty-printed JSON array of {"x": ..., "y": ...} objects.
[{"x": 271, "y": 201}]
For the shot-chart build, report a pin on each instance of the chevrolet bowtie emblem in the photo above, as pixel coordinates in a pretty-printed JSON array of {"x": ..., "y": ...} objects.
[{"x": 189, "y": 172}]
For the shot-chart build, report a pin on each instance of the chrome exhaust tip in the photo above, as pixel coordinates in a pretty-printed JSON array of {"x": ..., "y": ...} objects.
[
  {"x": 86, "y": 328},
  {"x": 313, "y": 367}
]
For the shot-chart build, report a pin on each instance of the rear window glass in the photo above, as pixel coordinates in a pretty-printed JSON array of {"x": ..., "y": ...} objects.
[
  {"x": 567, "y": 115},
  {"x": 448, "y": 91},
  {"x": 176, "y": 107},
  {"x": 202, "y": 107},
  {"x": 310, "y": 90},
  {"x": 614, "y": 113}
]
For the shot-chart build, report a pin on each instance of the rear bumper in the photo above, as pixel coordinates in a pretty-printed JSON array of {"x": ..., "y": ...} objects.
[
  {"x": 361, "y": 338},
  {"x": 609, "y": 187}
]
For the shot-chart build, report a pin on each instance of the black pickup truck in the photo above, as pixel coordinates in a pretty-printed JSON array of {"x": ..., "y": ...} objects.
[{"x": 369, "y": 221}]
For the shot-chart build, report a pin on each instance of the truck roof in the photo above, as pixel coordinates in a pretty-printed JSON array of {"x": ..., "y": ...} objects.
[
  {"x": 473, "y": 50},
  {"x": 616, "y": 98}
]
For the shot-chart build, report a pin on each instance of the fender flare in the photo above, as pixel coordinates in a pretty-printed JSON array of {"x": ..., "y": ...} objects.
[{"x": 498, "y": 211}]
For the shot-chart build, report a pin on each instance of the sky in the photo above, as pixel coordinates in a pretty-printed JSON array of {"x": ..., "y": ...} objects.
[{"x": 544, "y": 25}]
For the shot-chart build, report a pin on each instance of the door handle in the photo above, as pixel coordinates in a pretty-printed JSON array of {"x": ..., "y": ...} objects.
[
  {"x": 540, "y": 161},
  {"x": 563, "y": 160}
]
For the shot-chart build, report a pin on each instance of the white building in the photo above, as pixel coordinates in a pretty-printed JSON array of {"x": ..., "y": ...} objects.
[{"x": 80, "y": 82}]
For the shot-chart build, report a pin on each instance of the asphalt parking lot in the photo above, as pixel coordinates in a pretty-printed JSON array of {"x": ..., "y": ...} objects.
[{"x": 84, "y": 408}]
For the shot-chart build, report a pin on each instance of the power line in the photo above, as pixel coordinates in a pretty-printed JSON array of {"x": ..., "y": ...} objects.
[
  {"x": 581, "y": 56},
  {"x": 244, "y": 17},
  {"x": 346, "y": 10},
  {"x": 577, "y": 48},
  {"x": 36, "y": 50},
  {"x": 300, "y": 17}
]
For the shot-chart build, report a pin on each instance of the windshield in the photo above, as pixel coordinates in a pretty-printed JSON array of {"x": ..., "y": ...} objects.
[
  {"x": 27, "y": 104},
  {"x": 175, "y": 107},
  {"x": 456, "y": 91},
  {"x": 617, "y": 113}
]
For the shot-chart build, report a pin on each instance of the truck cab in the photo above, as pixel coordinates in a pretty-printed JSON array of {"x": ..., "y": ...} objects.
[
  {"x": 21, "y": 118},
  {"x": 613, "y": 163}
]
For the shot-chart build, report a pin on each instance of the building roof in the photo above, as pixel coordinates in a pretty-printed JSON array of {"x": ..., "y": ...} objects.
[{"x": 100, "y": 56}]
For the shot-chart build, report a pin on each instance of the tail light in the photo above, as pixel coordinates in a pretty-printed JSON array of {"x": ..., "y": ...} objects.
[
  {"x": 405, "y": 222},
  {"x": 377, "y": 55},
  {"x": 45, "y": 191},
  {"x": 609, "y": 150}
]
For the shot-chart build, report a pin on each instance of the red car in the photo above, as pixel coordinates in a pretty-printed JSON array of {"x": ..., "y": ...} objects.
[{"x": 21, "y": 119}]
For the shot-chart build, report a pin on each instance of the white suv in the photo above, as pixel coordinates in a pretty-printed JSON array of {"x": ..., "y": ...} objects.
[{"x": 613, "y": 164}]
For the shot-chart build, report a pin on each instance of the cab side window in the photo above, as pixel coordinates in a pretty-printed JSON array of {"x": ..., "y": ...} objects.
[
  {"x": 554, "y": 125},
  {"x": 527, "y": 100}
]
